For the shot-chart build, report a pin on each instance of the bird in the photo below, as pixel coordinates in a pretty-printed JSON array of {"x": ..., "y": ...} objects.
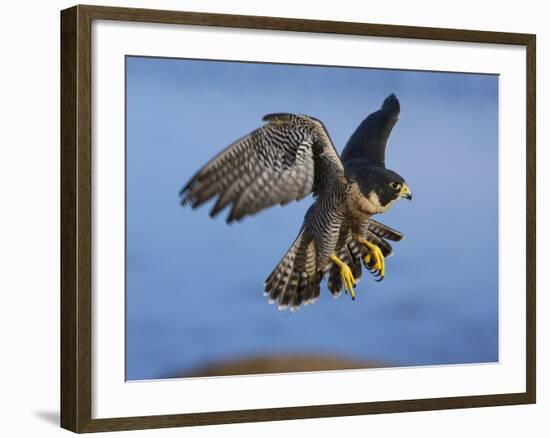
[{"x": 290, "y": 157}]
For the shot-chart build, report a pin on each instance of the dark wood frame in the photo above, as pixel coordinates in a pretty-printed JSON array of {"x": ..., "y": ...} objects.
[{"x": 76, "y": 236}]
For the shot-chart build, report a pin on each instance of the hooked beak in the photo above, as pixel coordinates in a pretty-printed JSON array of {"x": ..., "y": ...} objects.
[{"x": 405, "y": 192}]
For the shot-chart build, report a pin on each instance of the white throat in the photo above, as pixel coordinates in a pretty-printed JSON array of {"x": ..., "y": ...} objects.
[{"x": 375, "y": 205}]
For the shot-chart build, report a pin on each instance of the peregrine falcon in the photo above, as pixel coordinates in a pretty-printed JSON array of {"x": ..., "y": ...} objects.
[{"x": 290, "y": 157}]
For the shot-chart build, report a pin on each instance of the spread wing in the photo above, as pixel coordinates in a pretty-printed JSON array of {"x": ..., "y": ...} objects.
[
  {"x": 371, "y": 136},
  {"x": 286, "y": 159}
]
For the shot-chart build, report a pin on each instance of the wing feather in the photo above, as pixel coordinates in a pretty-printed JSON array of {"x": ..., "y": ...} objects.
[
  {"x": 383, "y": 231},
  {"x": 275, "y": 164},
  {"x": 371, "y": 137}
]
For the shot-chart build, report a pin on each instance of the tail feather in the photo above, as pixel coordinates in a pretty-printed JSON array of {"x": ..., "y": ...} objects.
[
  {"x": 279, "y": 277},
  {"x": 313, "y": 289},
  {"x": 301, "y": 290},
  {"x": 295, "y": 279},
  {"x": 334, "y": 282},
  {"x": 289, "y": 292},
  {"x": 316, "y": 287}
]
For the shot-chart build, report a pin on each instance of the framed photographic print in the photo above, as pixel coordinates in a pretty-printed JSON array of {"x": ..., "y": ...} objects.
[{"x": 315, "y": 147}]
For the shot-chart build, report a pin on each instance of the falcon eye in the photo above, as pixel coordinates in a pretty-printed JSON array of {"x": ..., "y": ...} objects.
[{"x": 395, "y": 185}]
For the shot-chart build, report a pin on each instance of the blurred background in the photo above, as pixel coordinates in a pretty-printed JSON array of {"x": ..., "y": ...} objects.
[{"x": 194, "y": 303}]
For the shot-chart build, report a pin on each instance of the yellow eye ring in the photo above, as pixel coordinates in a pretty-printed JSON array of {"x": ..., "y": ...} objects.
[{"x": 395, "y": 185}]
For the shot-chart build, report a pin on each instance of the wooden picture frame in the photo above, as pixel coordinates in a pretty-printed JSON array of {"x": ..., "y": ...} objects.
[{"x": 76, "y": 217}]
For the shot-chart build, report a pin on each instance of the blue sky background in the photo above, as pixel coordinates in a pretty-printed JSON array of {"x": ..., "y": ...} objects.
[{"x": 194, "y": 285}]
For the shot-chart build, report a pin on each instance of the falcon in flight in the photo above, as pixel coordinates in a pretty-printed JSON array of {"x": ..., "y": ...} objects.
[{"x": 290, "y": 157}]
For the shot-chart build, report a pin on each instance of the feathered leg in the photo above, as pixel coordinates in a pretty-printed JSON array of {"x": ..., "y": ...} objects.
[{"x": 375, "y": 250}]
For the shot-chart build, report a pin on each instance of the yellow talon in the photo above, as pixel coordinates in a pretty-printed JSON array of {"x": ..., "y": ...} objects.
[
  {"x": 347, "y": 276},
  {"x": 376, "y": 254}
]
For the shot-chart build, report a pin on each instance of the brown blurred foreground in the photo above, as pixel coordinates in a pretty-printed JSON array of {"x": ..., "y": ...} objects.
[{"x": 280, "y": 364}]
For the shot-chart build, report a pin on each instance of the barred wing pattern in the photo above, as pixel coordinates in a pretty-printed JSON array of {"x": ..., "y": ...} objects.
[{"x": 274, "y": 164}]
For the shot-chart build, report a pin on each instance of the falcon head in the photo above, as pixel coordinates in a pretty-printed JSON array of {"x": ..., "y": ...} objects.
[{"x": 379, "y": 188}]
